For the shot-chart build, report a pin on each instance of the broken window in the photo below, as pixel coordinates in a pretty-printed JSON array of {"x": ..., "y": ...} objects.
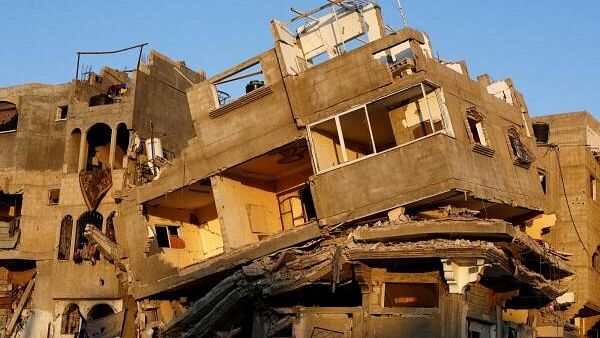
[
  {"x": 410, "y": 295},
  {"x": 64, "y": 241},
  {"x": 239, "y": 83},
  {"x": 522, "y": 154},
  {"x": 9, "y": 116},
  {"x": 389, "y": 122},
  {"x": 167, "y": 236},
  {"x": 296, "y": 207},
  {"x": 84, "y": 250},
  {"x": 62, "y": 112},
  {"x": 475, "y": 124},
  {"x": 71, "y": 320},
  {"x": 110, "y": 227},
  {"x": 593, "y": 188},
  {"x": 98, "y": 140},
  {"x": 53, "y": 196},
  {"x": 345, "y": 27}
]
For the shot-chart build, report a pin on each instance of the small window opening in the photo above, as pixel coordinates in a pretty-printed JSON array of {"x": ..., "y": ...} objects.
[
  {"x": 53, "y": 196},
  {"x": 475, "y": 122},
  {"x": 595, "y": 260},
  {"x": 518, "y": 148},
  {"x": 122, "y": 143},
  {"x": 62, "y": 112},
  {"x": 10, "y": 212},
  {"x": 593, "y": 194},
  {"x": 167, "y": 236},
  {"x": 64, "y": 242},
  {"x": 9, "y": 116},
  {"x": 110, "y": 227},
  {"x": 239, "y": 84},
  {"x": 542, "y": 177},
  {"x": 411, "y": 295}
]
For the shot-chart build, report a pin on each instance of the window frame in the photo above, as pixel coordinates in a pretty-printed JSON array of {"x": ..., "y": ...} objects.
[
  {"x": 524, "y": 160},
  {"x": 444, "y": 118},
  {"x": 167, "y": 228}
]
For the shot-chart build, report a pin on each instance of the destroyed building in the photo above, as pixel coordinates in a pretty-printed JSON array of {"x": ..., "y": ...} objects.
[
  {"x": 66, "y": 151},
  {"x": 345, "y": 183},
  {"x": 569, "y": 144}
]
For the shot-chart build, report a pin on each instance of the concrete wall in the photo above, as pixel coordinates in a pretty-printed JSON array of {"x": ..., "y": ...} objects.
[{"x": 245, "y": 211}]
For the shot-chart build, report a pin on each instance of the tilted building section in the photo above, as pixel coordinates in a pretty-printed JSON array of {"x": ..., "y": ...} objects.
[{"x": 345, "y": 183}]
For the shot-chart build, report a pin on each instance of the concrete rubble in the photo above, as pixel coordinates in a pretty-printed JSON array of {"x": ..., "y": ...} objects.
[{"x": 347, "y": 182}]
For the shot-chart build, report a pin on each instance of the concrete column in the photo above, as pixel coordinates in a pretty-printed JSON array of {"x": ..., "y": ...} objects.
[
  {"x": 113, "y": 144},
  {"x": 82, "y": 151}
]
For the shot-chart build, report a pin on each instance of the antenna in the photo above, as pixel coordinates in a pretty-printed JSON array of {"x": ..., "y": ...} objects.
[{"x": 402, "y": 13}]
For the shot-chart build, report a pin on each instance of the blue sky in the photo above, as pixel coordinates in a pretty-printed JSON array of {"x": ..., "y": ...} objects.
[{"x": 551, "y": 48}]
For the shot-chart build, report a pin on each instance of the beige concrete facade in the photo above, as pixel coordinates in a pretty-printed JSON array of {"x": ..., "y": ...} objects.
[{"x": 318, "y": 189}]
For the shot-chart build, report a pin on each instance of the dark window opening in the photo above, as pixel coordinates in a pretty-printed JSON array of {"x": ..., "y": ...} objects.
[
  {"x": 53, "y": 196},
  {"x": 595, "y": 260},
  {"x": 98, "y": 139},
  {"x": 411, "y": 295},
  {"x": 543, "y": 183},
  {"x": 122, "y": 143},
  {"x": 99, "y": 311},
  {"x": 84, "y": 250},
  {"x": 10, "y": 212},
  {"x": 114, "y": 94},
  {"x": 9, "y": 116},
  {"x": 64, "y": 242},
  {"x": 110, "y": 227},
  {"x": 167, "y": 236},
  {"x": 62, "y": 112}
]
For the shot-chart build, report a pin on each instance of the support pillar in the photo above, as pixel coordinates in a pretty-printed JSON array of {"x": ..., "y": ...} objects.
[
  {"x": 113, "y": 144},
  {"x": 82, "y": 151}
]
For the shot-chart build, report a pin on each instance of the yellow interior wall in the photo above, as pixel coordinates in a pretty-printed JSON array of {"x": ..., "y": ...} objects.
[
  {"x": 234, "y": 199},
  {"x": 544, "y": 221},
  {"x": 201, "y": 241},
  {"x": 329, "y": 152}
]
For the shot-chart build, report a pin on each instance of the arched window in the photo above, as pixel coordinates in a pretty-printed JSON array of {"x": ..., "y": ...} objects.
[
  {"x": 73, "y": 151},
  {"x": 122, "y": 145},
  {"x": 99, "y": 311},
  {"x": 9, "y": 117},
  {"x": 475, "y": 127},
  {"x": 98, "y": 147},
  {"x": 110, "y": 227},
  {"x": 522, "y": 154},
  {"x": 84, "y": 250},
  {"x": 64, "y": 242},
  {"x": 71, "y": 320}
]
